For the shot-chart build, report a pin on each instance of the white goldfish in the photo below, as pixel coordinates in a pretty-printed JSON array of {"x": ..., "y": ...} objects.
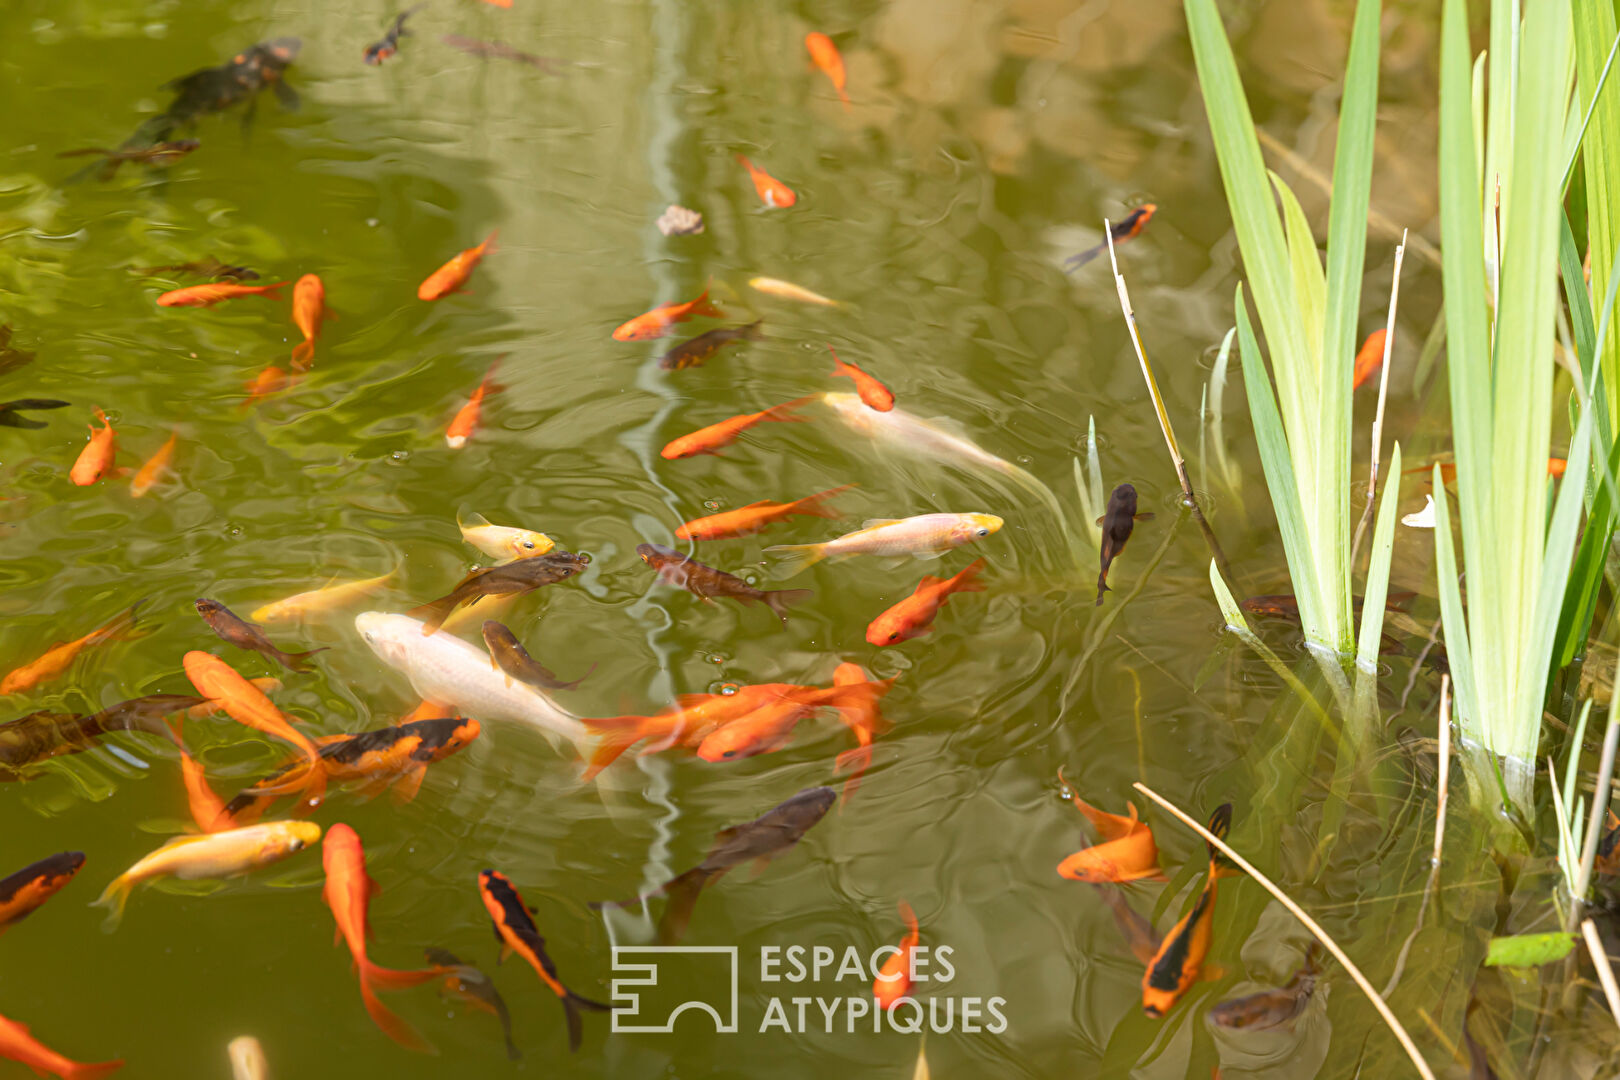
[
  {"x": 445, "y": 670},
  {"x": 789, "y": 291},
  {"x": 318, "y": 601},
  {"x": 211, "y": 855},
  {"x": 503, "y": 542},
  {"x": 926, "y": 536},
  {"x": 247, "y": 1059}
]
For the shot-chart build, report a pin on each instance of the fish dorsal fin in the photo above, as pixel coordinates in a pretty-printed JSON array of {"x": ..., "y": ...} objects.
[
  {"x": 873, "y": 523},
  {"x": 471, "y": 521},
  {"x": 753, "y": 505},
  {"x": 728, "y": 833},
  {"x": 928, "y": 581}
]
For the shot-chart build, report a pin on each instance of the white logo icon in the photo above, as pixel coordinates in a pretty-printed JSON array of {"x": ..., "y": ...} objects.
[{"x": 627, "y": 1002}]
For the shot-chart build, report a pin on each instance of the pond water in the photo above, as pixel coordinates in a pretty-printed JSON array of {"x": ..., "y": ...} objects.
[{"x": 986, "y": 140}]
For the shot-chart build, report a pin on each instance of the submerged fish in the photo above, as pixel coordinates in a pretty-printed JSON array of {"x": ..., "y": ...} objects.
[
  {"x": 1117, "y": 523},
  {"x": 214, "y": 89},
  {"x": 1271, "y": 1008},
  {"x": 477, "y": 990},
  {"x": 319, "y": 601},
  {"x": 692, "y": 352},
  {"x": 1180, "y": 958},
  {"x": 450, "y": 277},
  {"x": 1127, "y": 228},
  {"x": 450, "y": 672},
  {"x": 215, "y": 291},
  {"x": 517, "y": 934},
  {"x": 247, "y": 1059},
  {"x": 659, "y": 321},
  {"x": 11, "y": 357},
  {"x": 508, "y": 654},
  {"x": 381, "y": 50},
  {"x": 925, "y": 536},
  {"x": 1126, "y": 853},
  {"x": 771, "y": 191},
  {"x": 308, "y": 313},
  {"x": 23, "y": 892},
  {"x": 710, "y": 439},
  {"x": 756, "y": 516},
  {"x": 503, "y": 542},
  {"x": 98, "y": 454},
  {"x": 507, "y": 579},
  {"x": 763, "y": 839},
  {"x": 769, "y": 727},
  {"x": 499, "y": 51},
  {"x": 691, "y": 721},
  {"x": 10, "y": 411},
  {"x": 209, "y": 267},
  {"x": 59, "y": 657},
  {"x": 235, "y": 630},
  {"x": 149, "y": 472},
  {"x": 824, "y": 54},
  {"x": 17, "y": 1044},
  {"x": 862, "y": 717},
  {"x": 158, "y": 155},
  {"x": 246, "y": 704},
  {"x": 211, "y": 855},
  {"x": 465, "y": 422},
  {"x": 872, "y": 392},
  {"x": 893, "y": 980},
  {"x": 914, "y": 616},
  {"x": 787, "y": 290},
  {"x": 1369, "y": 359},
  {"x": 705, "y": 582}
]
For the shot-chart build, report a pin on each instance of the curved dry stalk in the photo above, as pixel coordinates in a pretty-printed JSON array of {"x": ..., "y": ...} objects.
[
  {"x": 1600, "y": 960},
  {"x": 1383, "y": 393},
  {"x": 1310, "y": 924}
]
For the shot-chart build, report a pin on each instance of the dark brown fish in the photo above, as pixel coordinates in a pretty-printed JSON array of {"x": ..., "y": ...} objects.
[
  {"x": 147, "y": 713},
  {"x": 1286, "y": 605},
  {"x": 236, "y": 630},
  {"x": 705, "y": 582},
  {"x": 692, "y": 352},
  {"x": 508, "y": 654},
  {"x": 41, "y": 736},
  {"x": 11, "y": 358},
  {"x": 208, "y": 268},
  {"x": 379, "y": 51},
  {"x": 1270, "y": 1008},
  {"x": 477, "y": 990},
  {"x": 759, "y": 841},
  {"x": 507, "y": 579},
  {"x": 240, "y": 79},
  {"x": 1117, "y": 523},
  {"x": 158, "y": 155},
  {"x": 10, "y": 411},
  {"x": 1133, "y": 926},
  {"x": 31, "y": 886},
  {"x": 497, "y": 51}
]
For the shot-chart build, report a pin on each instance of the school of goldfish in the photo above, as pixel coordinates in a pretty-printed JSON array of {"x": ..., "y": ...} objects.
[{"x": 466, "y": 689}]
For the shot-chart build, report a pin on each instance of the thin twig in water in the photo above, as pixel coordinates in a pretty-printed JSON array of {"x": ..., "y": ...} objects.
[
  {"x": 1600, "y": 960},
  {"x": 1310, "y": 924},
  {"x": 1383, "y": 393},
  {"x": 1594, "y": 826},
  {"x": 1445, "y": 770}
]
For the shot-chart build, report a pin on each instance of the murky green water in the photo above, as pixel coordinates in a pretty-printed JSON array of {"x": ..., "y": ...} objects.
[{"x": 986, "y": 141}]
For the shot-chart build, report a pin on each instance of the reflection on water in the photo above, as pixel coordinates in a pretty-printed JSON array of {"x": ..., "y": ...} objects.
[{"x": 985, "y": 143}]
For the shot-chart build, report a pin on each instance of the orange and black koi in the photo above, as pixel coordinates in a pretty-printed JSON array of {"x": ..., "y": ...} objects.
[
  {"x": 477, "y": 990},
  {"x": 1128, "y": 229},
  {"x": 31, "y": 886},
  {"x": 379, "y": 51},
  {"x": 516, "y": 932},
  {"x": 1180, "y": 958}
]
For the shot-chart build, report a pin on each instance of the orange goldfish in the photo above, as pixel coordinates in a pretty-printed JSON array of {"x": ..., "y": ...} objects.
[
  {"x": 98, "y": 454},
  {"x": 894, "y": 979},
  {"x": 1448, "y": 469},
  {"x": 246, "y": 704},
  {"x": 709, "y": 440},
  {"x": 1180, "y": 958},
  {"x": 689, "y": 723},
  {"x": 661, "y": 319},
  {"x": 873, "y": 393},
  {"x": 914, "y": 616},
  {"x": 466, "y": 420},
  {"x": 1127, "y": 852},
  {"x": 763, "y": 731},
  {"x": 772, "y": 192},
  {"x": 207, "y": 808},
  {"x": 453, "y": 275},
  {"x": 861, "y": 717},
  {"x": 265, "y": 383},
  {"x": 1369, "y": 359},
  {"x": 309, "y": 311},
  {"x": 55, "y": 660},
  {"x": 16, "y": 1044},
  {"x": 825, "y": 56},
  {"x": 149, "y": 472},
  {"x": 214, "y": 291},
  {"x": 348, "y": 892},
  {"x": 753, "y": 518}
]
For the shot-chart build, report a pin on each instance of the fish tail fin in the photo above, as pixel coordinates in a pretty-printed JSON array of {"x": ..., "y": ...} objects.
[
  {"x": 120, "y": 626},
  {"x": 683, "y": 895},
  {"x": 84, "y": 1071},
  {"x": 271, "y": 292},
  {"x": 858, "y": 759},
  {"x": 910, "y": 918},
  {"x": 1102, "y": 586},
  {"x": 615, "y": 735},
  {"x": 303, "y": 353},
  {"x": 392, "y": 1024},
  {"x": 1075, "y": 262},
  {"x": 968, "y": 579},
  {"x": 704, "y": 306},
  {"x": 114, "y": 899},
  {"x": 489, "y": 242},
  {"x": 816, "y": 505},
  {"x": 434, "y": 614},
  {"x": 784, "y": 413},
  {"x": 572, "y": 1003},
  {"x": 752, "y": 331},
  {"x": 796, "y": 558},
  {"x": 845, "y": 99},
  {"x": 840, "y": 369},
  {"x": 780, "y": 600},
  {"x": 1220, "y": 823},
  {"x": 382, "y": 978},
  {"x": 299, "y": 661}
]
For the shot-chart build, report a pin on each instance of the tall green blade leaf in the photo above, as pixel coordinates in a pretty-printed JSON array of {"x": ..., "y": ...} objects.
[{"x": 1383, "y": 547}]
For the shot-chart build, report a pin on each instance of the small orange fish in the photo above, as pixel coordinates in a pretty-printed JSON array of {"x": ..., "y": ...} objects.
[
  {"x": 764, "y": 731},
  {"x": 914, "y": 616},
  {"x": 246, "y": 704},
  {"x": 308, "y": 312},
  {"x": 453, "y": 275},
  {"x": 98, "y": 454},
  {"x": 772, "y": 192},
  {"x": 1369, "y": 359},
  {"x": 1448, "y": 469},
  {"x": 753, "y": 518},
  {"x": 893, "y": 981},
  {"x": 213, "y": 292},
  {"x": 466, "y": 420},
  {"x": 1180, "y": 958},
  {"x": 689, "y": 723},
  {"x": 503, "y": 4},
  {"x": 149, "y": 472},
  {"x": 659, "y": 321},
  {"x": 861, "y": 717},
  {"x": 873, "y": 393},
  {"x": 265, "y": 383},
  {"x": 824, "y": 54},
  {"x": 709, "y": 440},
  {"x": 58, "y": 658},
  {"x": 16, "y": 1044},
  {"x": 207, "y": 808},
  {"x": 1127, "y": 852},
  {"x": 348, "y": 892},
  {"x": 1128, "y": 229}
]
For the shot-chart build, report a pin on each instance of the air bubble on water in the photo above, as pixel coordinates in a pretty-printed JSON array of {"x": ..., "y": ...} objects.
[
  {"x": 1025, "y": 459},
  {"x": 711, "y": 504},
  {"x": 373, "y": 222},
  {"x": 235, "y": 532},
  {"x": 717, "y": 658},
  {"x": 727, "y": 689},
  {"x": 400, "y": 455}
]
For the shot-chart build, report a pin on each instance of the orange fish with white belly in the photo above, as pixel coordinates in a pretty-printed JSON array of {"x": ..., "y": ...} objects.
[
  {"x": 466, "y": 419},
  {"x": 453, "y": 275},
  {"x": 97, "y": 456},
  {"x": 772, "y": 192}
]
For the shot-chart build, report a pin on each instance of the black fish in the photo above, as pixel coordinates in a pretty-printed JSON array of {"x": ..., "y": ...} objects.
[
  {"x": 762, "y": 839},
  {"x": 1132, "y": 226},
  {"x": 236, "y": 630},
  {"x": 209, "y": 267},
  {"x": 1270, "y": 1008},
  {"x": 705, "y": 582},
  {"x": 28, "y": 888},
  {"x": 1116, "y": 524},
  {"x": 508, "y": 654},
  {"x": 214, "y": 89},
  {"x": 500, "y": 51},
  {"x": 507, "y": 579},
  {"x": 159, "y": 155},
  {"x": 9, "y": 411},
  {"x": 40, "y": 736},
  {"x": 692, "y": 352},
  {"x": 379, "y": 51},
  {"x": 477, "y": 990}
]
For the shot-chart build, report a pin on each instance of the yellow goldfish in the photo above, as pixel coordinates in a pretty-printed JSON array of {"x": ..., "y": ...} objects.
[
  {"x": 503, "y": 542},
  {"x": 789, "y": 291},
  {"x": 318, "y": 601},
  {"x": 210, "y": 855}
]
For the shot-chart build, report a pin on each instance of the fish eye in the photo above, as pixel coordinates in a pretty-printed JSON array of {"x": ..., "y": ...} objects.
[
  {"x": 528, "y": 544},
  {"x": 983, "y": 531},
  {"x": 729, "y": 753}
]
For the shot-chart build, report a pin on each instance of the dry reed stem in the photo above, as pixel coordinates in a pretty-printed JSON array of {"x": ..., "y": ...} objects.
[
  {"x": 1600, "y": 960},
  {"x": 1383, "y": 394},
  {"x": 1594, "y": 827},
  {"x": 1310, "y": 924},
  {"x": 1445, "y": 769}
]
